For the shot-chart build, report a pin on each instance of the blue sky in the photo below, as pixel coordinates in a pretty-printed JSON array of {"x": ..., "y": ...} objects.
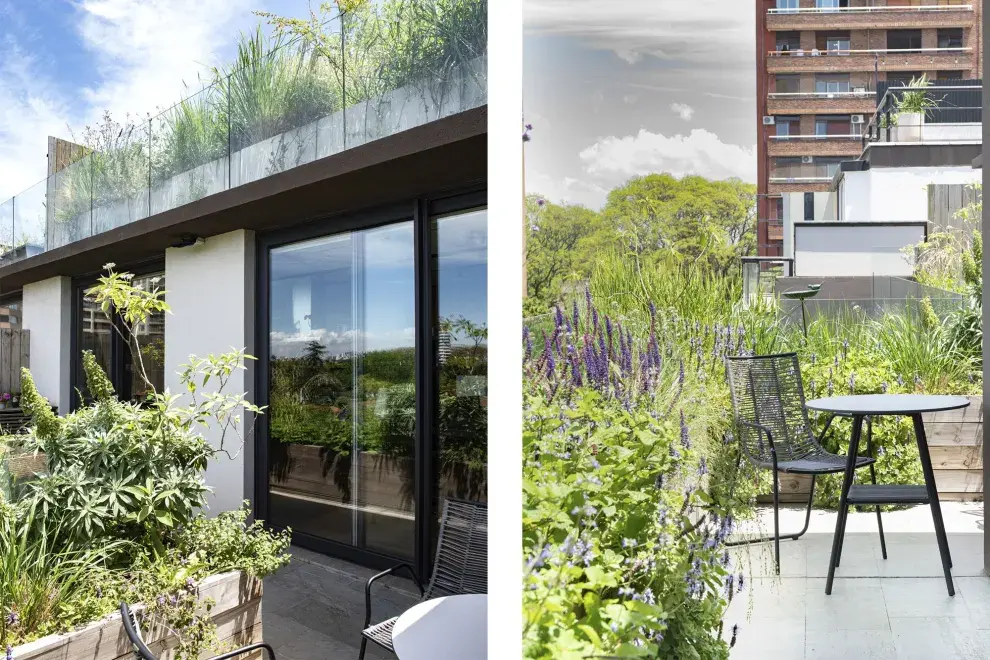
[{"x": 63, "y": 62}]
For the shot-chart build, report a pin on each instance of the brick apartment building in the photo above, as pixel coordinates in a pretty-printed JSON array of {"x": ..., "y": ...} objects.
[{"x": 819, "y": 63}]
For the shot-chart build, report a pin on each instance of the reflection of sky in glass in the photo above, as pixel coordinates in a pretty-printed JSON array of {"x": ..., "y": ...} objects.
[
  {"x": 350, "y": 292},
  {"x": 462, "y": 253},
  {"x": 314, "y": 282}
]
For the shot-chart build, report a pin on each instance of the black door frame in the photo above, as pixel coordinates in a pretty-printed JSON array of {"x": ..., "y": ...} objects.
[
  {"x": 117, "y": 375},
  {"x": 421, "y": 212}
]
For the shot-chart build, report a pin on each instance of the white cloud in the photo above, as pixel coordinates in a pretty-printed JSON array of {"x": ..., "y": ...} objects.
[
  {"x": 702, "y": 31},
  {"x": 144, "y": 51},
  {"x": 613, "y": 160},
  {"x": 683, "y": 110},
  {"x": 31, "y": 110}
]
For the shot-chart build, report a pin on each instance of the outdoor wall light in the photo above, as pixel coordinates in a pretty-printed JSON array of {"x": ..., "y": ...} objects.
[{"x": 187, "y": 240}]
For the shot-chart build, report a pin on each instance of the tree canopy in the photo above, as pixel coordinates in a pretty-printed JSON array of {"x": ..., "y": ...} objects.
[{"x": 650, "y": 217}]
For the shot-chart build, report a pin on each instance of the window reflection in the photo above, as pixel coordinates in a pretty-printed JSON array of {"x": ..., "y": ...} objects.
[
  {"x": 461, "y": 262},
  {"x": 342, "y": 388}
]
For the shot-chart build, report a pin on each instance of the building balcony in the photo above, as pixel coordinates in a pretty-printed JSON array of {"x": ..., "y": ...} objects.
[
  {"x": 775, "y": 230},
  {"x": 816, "y": 103},
  {"x": 815, "y": 145},
  {"x": 778, "y": 184},
  {"x": 888, "y": 59},
  {"x": 871, "y": 18}
]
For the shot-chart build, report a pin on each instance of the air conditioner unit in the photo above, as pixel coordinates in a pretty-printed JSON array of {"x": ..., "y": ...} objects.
[
  {"x": 856, "y": 119},
  {"x": 830, "y": 95},
  {"x": 768, "y": 121},
  {"x": 859, "y": 90},
  {"x": 807, "y": 160}
]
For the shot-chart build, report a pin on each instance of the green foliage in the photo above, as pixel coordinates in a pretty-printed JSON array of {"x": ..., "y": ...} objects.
[
  {"x": 44, "y": 588},
  {"x": 228, "y": 543},
  {"x": 917, "y": 100},
  {"x": 614, "y": 564},
  {"x": 118, "y": 512},
  {"x": 117, "y": 470}
]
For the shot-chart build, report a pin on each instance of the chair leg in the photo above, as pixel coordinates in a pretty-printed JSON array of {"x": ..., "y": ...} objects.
[
  {"x": 364, "y": 647},
  {"x": 776, "y": 522},
  {"x": 807, "y": 515}
]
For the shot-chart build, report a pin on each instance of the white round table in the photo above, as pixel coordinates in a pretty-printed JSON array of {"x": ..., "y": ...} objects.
[{"x": 448, "y": 628}]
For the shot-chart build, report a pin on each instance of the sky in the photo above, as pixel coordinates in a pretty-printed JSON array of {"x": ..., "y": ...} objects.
[
  {"x": 64, "y": 62},
  {"x": 629, "y": 87}
]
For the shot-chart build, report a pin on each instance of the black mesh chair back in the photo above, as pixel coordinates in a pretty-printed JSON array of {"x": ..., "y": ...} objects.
[
  {"x": 461, "y": 563},
  {"x": 767, "y": 391}
]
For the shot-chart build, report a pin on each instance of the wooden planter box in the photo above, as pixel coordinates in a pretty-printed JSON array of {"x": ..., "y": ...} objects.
[
  {"x": 236, "y": 613},
  {"x": 955, "y": 444}
]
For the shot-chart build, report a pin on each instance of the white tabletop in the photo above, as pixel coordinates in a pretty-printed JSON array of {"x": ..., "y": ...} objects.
[{"x": 449, "y": 628}]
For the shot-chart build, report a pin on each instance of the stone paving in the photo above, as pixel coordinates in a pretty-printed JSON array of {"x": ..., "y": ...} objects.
[
  {"x": 314, "y": 608},
  {"x": 893, "y": 609}
]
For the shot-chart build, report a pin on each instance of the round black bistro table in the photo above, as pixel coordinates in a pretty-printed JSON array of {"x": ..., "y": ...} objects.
[{"x": 859, "y": 407}]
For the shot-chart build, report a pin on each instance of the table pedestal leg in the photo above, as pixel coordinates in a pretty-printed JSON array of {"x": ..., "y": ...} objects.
[
  {"x": 926, "y": 466},
  {"x": 840, "y": 523}
]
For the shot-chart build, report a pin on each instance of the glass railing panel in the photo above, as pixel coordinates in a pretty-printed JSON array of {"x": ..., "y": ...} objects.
[
  {"x": 6, "y": 232},
  {"x": 437, "y": 68},
  {"x": 121, "y": 171},
  {"x": 70, "y": 195},
  {"x": 30, "y": 221},
  {"x": 276, "y": 108},
  {"x": 189, "y": 149}
]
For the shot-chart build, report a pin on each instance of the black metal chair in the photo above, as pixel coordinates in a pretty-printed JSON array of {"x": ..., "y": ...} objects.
[
  {"x": 774, "y": 432},
  {"x": 142, "y": 652},
  {"x": 460, "y": 566}
]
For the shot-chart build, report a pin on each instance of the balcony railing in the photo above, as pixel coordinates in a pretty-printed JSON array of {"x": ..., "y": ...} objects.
[
  {"x": 955, "y": 115},
  {"x": 283, "y": 109},
  {"x": 784, "y": 138},
  {"x": 784, "y": 96},
  {"x": 799, "y": 52},
  {"x": 869, "y": 10}
]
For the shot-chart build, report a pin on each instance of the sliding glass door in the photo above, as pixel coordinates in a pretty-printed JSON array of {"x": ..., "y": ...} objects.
[
  {"x": 342, "y": 389},
  {"x": 374, "y": 368}
]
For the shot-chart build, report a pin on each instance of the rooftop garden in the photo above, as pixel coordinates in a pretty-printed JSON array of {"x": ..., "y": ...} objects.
[
  {"x": 352, "y": 72},
  {"x": 112, "y": 505},
  {"x": 632, "y": 479}
]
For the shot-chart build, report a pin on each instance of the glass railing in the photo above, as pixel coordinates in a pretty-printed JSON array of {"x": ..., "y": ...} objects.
[{"x": 271, "y": 112}]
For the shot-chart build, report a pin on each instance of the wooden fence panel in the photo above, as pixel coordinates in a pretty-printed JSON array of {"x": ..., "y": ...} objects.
[{"x": 14, "y": 349}]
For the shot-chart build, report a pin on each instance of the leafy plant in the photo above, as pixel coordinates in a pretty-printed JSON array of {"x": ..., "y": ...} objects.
[{"x": 917, "y": 100}]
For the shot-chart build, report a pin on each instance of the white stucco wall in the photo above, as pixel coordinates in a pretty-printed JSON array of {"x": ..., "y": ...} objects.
[
  {"x": 47, "y": 314},
  {"x": 211, "y": 294},
  {"x": 794, "y": 213},
  {"x": 845, "y": 250},
  {"x": 896, "y": 194}
]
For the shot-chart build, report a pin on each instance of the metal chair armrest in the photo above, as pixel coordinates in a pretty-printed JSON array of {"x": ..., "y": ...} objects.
[
  {"x": 761, "y": 429},
  {"x": 133, "y": 633},
  {"x": 367, "y": 588}
]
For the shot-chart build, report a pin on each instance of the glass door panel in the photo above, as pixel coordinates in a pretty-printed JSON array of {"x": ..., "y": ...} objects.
[
  {"x": 342, "y": 388},
  {"x": 460, "y": 263}
]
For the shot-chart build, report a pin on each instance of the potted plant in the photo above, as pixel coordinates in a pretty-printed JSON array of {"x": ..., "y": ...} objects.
[
  {"x": 15, "y": 399},
  {"x": 913, "y": 106},
  {"x": 4, "y": 400}
]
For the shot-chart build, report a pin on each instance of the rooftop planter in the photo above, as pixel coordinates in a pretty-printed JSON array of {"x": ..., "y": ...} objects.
[{"x": 236, "y": 612}]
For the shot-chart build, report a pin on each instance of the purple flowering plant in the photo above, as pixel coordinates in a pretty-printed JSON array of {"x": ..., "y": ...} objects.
[{"x": 624, "y": 537}]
